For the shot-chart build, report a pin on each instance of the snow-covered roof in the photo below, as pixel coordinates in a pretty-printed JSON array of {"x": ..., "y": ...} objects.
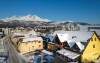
[
  {"x": 1, "y": 32},
  {"x": 32, "y": 39},
  {"x": 29, "y": 34},
  {"x": 2, "y": 59},
  {"x": 62, "y": 37},
  {"x": 80, "y": 45},
  {"x": 74, "y": 36},
  {"x": 18, "y": 34},
  {"x": 47, "y": 52},
  {"x": 70, "y": 43},
  {"x": 35, "y": 58},
  {"x": 67, "y": 53},
  {"x": 59, "y": 32},
  {"x": 51, "y": 38},
  {"x": 32, "y": 32}
]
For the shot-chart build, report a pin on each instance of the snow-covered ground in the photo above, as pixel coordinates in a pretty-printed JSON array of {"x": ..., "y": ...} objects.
[{"x": 44, "y": 56}]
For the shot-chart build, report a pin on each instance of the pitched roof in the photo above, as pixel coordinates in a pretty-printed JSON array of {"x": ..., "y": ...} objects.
[
  {"x": 68, "y": 53},
  {"x": 51, "y": 38},
  {"x": 47, "y": 52},
  {"x": 18, "y": 34},
  {"x": 32, "y": 39},
  {"x": 32, "y": 32},
  {"x": 29, "y": 34},
  {"x": 80, "y": 45},
  {"x": 62, "y": 37},
  {"x": 75, "y": 36},
  {"x": 70, "y": 43},
  {"x": 86, "y": 44}
]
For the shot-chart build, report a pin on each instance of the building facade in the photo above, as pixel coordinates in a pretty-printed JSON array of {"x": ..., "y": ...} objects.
[{"x": 30, "y": 44}]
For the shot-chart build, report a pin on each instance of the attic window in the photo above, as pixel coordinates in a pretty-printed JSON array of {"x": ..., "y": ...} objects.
[
  {"x": 95, "y": 39},
  {"x": 91, "y": 39},
  {"x": 93, "y": 46},
  {"x": 74, "y": 37}
]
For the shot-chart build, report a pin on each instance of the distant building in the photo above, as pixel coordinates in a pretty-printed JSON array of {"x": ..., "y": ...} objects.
[
  {"x": 7, "y": 31},
  {"x": 89, "y": 28},
  {"x": 73, "y": 26}
]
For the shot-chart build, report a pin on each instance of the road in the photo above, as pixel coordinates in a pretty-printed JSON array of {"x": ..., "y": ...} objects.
[{"x": 13, "y": 56}]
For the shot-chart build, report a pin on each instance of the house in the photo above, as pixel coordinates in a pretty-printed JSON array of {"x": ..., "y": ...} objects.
[
  {"x": 7, "y": 30},
  {"x": 15, "y": 38},
  {"x": 17, "y": 35},
  {"x": 92, "y": 50},
  {"x": 60, "y": 40},
  {"x": 75, "y": 42},
  {"x": 86, "y": 49},
  {"x": 51, "y": 46},
  {"x": 26, "y": 45},
  {"x": 50, "y": 43},
  {"x": 69, "y": 38},
  {"x": 26, "y": 41}
]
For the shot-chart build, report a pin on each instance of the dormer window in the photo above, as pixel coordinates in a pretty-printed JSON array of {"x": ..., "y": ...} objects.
[
  {"x": 91, "y": 39},
  {"x": 74, "y": 37},
  {"x": 95, "y": 39}
]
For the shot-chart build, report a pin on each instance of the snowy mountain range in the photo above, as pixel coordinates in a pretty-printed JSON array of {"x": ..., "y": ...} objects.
[
  {"x": 33, "y": 20},
  {"x": 28, "y": 17}
]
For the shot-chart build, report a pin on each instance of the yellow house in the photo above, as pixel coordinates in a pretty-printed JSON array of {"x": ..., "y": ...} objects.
[
  {"x": 85, "y": 44},
  {"x": 51, "y": 46},
  {"x": 92, "y": 50},
  {"x": 30, "y": 44}
]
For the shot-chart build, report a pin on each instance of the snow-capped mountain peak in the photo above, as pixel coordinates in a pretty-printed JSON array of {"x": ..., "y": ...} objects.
[
  {"x": 28, "y": 17},
  {"x": 64, "y": 21}
]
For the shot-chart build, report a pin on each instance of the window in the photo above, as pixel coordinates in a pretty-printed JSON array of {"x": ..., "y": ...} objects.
[
  {"x": 33, "y": 47},
  {"x": 95, "y": 39},
  {"x": 39, "y": 42},
  {"x": 93, "y": 46},
  {"x": 39, "y": 45},
  {"x": 91, "y": 39}
]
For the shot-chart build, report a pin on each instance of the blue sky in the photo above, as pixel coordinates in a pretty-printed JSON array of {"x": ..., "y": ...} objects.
[{"x": 56, "y": 10}]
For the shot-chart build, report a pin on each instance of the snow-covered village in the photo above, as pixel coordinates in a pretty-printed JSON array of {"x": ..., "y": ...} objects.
[
  {"x": 49, "y": 31},
  {"x": 75, "y": 44}
]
